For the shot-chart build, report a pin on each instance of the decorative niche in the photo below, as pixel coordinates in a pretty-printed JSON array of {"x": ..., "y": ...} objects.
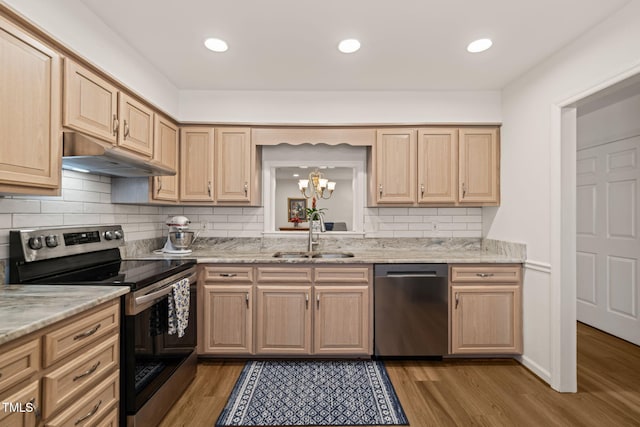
[{"x": 284, "y": 165}]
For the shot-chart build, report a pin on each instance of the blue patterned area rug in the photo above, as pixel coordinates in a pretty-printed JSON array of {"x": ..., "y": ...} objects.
[{"x": 310, "y": 393}]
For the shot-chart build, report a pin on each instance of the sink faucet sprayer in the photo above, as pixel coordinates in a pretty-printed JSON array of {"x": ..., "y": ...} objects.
[{"x": 319, "y": 216}]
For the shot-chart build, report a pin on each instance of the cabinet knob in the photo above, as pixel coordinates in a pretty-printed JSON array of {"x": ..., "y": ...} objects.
[
  {"x": 246, "y": 189},
  {"x": 209, "y": 188},
  {"x": 116, "y": 125},
  {"x": 380, "y": 189},
  {"x": 126, "y": 129},
  {"x": 421, "y": 190},
  {"x": 464, "y": 190}
]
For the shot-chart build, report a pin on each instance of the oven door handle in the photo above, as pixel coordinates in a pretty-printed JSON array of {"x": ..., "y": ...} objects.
[{"x": 165, "y": 290}]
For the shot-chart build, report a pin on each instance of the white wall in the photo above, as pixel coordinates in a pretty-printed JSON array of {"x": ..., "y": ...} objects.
[
  {"x": 78, "y": 28},
  {"x": 277, "y": 107},
  {"x": 615, "y": 120},
  {"x": 532, "y": 183}
]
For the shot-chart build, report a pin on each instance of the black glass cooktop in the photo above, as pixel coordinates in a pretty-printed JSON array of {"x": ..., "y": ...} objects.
[{"x": 133, "y": 273}]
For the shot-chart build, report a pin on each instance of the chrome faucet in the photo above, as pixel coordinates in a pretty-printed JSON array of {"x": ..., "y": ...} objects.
[{"x": 320, "y": 216}]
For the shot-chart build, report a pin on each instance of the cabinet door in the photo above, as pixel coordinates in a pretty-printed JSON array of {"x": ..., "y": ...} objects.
[
  {"x": 25, "y": 407},
  {"x": 233, "y": 164},
  {"x": 283, "y": 323},
  {"x": 196, "y": 164},
  {"x": 479, "y": 167},
  {"x": 30, "y": 138},
  {"x": 165, "y": 152},
  {"x": 486, "y": 319},
  {"x": 396, "y": 166},
  {"x": 437, "y": 165},
  {"x": 90, "y": 103},
  {"x": 137, "y": 126},
  {"x": 227, "y": 320},
  {"x": 341, "y": 322}
]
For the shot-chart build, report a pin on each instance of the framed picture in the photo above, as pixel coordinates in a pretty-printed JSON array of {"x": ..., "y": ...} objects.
[{"x": 296, "y": 208}]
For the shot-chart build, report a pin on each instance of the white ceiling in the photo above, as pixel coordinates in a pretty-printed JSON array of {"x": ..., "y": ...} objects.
[{"x": 291, "y": 44}]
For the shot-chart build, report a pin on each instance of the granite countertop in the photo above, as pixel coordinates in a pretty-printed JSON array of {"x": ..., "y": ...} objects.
[
  {"x": 27, "y": 308},
  {"x": 365, "y": 252}
]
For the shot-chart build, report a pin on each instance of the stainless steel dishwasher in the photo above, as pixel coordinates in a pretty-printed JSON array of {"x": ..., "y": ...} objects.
[{"x": 411, "y": 310}]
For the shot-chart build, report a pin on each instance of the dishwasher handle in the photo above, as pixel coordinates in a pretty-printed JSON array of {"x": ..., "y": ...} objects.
[{"x": 425, "y": 274}]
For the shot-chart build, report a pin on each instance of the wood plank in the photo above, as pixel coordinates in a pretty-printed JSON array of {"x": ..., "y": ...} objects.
[{"x": 483, "y": 392}]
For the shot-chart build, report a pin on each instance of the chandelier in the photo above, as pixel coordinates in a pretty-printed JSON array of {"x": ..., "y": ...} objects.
[{"x": 316, "y": 186}]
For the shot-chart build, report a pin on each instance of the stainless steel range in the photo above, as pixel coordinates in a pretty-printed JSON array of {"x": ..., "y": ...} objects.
[{"x": 156, "y": 366}]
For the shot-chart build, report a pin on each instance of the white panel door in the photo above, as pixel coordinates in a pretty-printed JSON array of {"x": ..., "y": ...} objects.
[{"x": 608, "y": 246}]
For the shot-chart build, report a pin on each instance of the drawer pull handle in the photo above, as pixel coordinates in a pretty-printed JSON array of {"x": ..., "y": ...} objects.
[
  {"x": 318, "y": 301},
  {"x": 484, "y": 274},
  {"x": 89, "y": 372},
  {"x": 88, "y": 333},
  {"x": 116, "y": 125},
  {"x": 90, "y": 414},
  {"x": 228, "y": 274},
  {"x": 306, "y": 301},
  {"x": 247, "y": 299}
]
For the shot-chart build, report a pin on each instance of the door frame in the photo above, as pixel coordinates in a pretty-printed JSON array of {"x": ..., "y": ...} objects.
[{"x": 563, "y": 238}]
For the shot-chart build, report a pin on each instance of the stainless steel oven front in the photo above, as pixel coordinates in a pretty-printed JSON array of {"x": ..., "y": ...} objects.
[{"x": 157, "y": 366}]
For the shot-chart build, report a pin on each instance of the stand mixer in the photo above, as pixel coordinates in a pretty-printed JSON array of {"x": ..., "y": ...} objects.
[{"x": 179, "y": 239}]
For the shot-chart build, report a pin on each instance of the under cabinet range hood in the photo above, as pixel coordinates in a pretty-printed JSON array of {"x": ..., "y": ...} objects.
[{"x": 83, "y": 153}]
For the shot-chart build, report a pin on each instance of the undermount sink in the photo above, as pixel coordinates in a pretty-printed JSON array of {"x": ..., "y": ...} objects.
[
  {"x": 332, "y": 255},
  {"x": 313, "y": 255},
  {"x": 292, "y": 255}
]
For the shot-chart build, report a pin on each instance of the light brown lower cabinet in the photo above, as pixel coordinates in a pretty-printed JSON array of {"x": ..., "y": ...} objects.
[
  {"x": 286, "y": 311},
  {"x": 79, "y": 387},
  {"x": 485, "y": 309},
  {"x": 283, "y": 319}
]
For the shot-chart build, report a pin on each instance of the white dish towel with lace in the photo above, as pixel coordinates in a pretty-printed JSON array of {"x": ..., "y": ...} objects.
[{"x": 179, "y": 308}]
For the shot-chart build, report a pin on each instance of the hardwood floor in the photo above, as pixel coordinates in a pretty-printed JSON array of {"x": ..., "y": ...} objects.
[{"x": 473, "y": 392}]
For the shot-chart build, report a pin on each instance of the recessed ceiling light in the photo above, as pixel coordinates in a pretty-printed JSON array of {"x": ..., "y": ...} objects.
[
  {"x": 296, "y": 175},
  {"x": 349, "y": 46},
  {"x": 479, "y": 45},
  {"x": 216, "y": 45}
]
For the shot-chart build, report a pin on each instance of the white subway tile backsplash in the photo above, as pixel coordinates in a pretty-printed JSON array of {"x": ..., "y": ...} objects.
[
  {"x": 5, "y": 221},
  {"x": 69, "y": 195},
  {"x": 10, "y": 206},
  {"x": 37, "y": 220},
  {"x": 196, "y": 210},
  {"x": 86, "y": 199},
  {"x": 393, "y": 211},
  {"x": 452, "y": 211},
  {"x": 81, "y": 219}
]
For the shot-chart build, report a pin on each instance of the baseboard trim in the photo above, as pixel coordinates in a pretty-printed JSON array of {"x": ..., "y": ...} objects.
[
  {"x": 536, "y": 369},
  {"x": 542, "y": 267}
]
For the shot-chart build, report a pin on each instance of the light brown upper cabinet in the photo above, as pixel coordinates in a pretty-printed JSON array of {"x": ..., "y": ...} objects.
[
  {"x": 233, "y": 165},
  {"x": 94, "y": 106},
  {"x": 444, "y": 167},
  {"x": 166, "y": 152},
  {"x": 437, "y": 165},
  {"x": 479, "y": 166},
  {"x": 395, "y": 174},
  {"x": 30, "y": 138},
  {"x": 137, "y": 126},
  {"x": 196, "y": 164}
]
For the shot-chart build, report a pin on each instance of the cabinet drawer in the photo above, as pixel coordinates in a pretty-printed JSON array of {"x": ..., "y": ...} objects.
[
  {"x": 486, "y": 273},
  {"x": 283, "y": 275},
  {"x": 69, "y": 338},
  {"x": 79, "y": 374},
  {"x": 111, "y": 420},
  {"x": 341, "y": 275},
  {"x": 228, "y": 274},
  {"x": 26, "y": 404},
  {"x": 92, "y": 407},
  {"x": 19, "y": 363}
]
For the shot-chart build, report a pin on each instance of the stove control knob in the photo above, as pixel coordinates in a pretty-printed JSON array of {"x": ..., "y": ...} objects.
[
  {"x": 51, "y": 241},
  {"x": 35, "y": 243},
  {"x": 108, "y": 235},
  {"x": 118, "y": 234}
]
